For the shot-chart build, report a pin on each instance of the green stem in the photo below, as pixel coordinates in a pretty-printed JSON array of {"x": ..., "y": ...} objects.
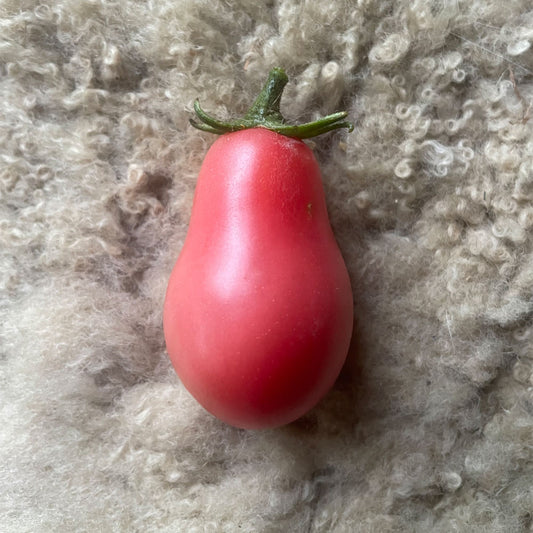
[
  {"x": 266, "y": 105},
  {"x": 265, "y": 113}
]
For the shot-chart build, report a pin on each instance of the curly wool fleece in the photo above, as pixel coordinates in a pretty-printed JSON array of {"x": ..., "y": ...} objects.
[{"x": 430, "y": 427}]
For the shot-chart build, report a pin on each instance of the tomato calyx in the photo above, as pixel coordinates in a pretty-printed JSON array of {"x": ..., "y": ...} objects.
[{"x": 265, "y": 113}]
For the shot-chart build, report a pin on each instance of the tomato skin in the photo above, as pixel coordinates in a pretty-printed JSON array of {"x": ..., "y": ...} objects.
[{"x": 258, "y": 312}]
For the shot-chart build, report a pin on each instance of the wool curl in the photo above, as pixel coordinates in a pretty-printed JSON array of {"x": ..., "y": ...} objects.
[{"x": 429, "y": 426}]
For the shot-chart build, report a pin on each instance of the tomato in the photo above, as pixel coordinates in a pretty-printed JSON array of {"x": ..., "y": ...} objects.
[{"x": 258, "y": 312}]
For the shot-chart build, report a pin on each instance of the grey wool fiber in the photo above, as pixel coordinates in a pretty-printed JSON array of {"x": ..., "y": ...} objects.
[{"x": 429, "y": 428}]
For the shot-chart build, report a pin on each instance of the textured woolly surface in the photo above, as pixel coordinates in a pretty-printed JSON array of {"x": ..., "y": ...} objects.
[{"x": 430, "y": 426}]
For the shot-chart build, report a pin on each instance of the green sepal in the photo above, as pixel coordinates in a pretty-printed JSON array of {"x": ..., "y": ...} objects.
[{"x": 265, "y": 113}]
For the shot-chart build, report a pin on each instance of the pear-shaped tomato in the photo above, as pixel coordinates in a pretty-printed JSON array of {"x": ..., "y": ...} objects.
[{"x": 258, "y": 311}]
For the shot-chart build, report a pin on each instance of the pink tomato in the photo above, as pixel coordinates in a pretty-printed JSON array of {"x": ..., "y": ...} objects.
[{"x": 258, "y": 311}]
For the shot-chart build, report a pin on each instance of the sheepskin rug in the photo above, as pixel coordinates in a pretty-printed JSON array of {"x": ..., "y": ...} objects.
[{"x": 430, "y": 425}]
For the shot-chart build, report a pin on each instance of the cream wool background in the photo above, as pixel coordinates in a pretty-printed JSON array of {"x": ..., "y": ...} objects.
[{"x": 430, "y": 427}]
